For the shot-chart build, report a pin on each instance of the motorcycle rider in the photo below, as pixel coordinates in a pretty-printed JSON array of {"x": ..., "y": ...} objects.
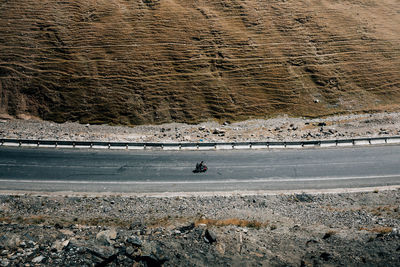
[{"x": 200, "y": 167}]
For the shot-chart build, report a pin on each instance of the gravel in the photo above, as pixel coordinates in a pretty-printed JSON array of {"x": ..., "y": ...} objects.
[
  {"x": 345, "y": 229},
  {"x": 275, "y": 129}
]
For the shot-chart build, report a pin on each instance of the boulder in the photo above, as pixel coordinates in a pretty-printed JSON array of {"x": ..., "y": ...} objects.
[
  {"x": 38, "y": 259},
  {"x": 186, "y": 228},
  {"x": 134, "y": 240},
  {"x": 218, "y": 131},
  {"x": 106, "y": 237},
  {"x": 10, "y": 241},
  {"x": 210, "y": 236},
  {"x": 59, "y": 245}
]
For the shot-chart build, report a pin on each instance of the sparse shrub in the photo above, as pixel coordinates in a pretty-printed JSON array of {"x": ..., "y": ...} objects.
[
  {"x": 38, "y": 219},
  {"x": 232, "y": 221},
  {"x": 379, "y": 229}
]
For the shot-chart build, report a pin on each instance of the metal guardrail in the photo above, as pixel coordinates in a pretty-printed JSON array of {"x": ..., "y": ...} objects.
[{"x": 198, "y": 145}]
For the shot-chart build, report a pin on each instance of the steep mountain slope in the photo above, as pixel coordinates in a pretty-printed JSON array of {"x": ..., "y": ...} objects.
[{"x": 153, "y": 61}]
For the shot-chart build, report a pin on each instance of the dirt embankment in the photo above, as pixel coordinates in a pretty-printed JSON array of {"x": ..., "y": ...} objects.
[
  {"x": 157, "y": 61},
  {"x": 348, "y": 229}
]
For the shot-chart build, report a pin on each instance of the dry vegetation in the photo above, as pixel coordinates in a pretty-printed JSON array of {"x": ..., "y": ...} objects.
[
  {"x": 154, "y": 61},
  {"x": 231, "y": 221}
]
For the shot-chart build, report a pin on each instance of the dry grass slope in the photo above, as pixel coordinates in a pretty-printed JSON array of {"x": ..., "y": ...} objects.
[{"x": 154, "y": 61}]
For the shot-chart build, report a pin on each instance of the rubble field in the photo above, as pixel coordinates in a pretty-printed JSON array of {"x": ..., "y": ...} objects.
[{"x": 341, "y": 229}]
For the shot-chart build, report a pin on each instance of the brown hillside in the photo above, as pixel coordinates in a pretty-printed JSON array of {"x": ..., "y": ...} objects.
[{"x": 154, "y": 61}]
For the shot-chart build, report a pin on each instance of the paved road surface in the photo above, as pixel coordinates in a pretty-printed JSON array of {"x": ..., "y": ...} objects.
[{"x": 171, "y": 171}]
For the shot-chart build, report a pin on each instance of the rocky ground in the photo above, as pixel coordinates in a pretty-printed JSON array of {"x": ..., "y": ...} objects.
[
  {"x": 275, "y": 129},
  {"x": 343, "y": 229}
]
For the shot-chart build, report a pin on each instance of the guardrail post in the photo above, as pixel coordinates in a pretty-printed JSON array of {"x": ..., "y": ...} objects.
[
  {"x": 55, "y": 144},
  {"x": 109, "y": 146},
  {"x": 386, "y": 140},
  {"x": 353, "y": 142},
  {"x": 369, "y": 140},
  {"x": 38, "y": 143},
  {"x": 20, "y": 143},
  {"x": 319, "y": 143}
]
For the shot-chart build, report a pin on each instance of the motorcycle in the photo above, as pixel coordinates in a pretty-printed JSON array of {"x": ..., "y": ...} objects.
[{"x": 200, "y": 168}]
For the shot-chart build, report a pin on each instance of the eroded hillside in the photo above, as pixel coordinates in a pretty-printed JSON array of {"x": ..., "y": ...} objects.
[{"x": 153, "y": 61}]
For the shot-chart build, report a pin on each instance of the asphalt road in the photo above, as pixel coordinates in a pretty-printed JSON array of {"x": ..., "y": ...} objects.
[{"x": 82, "y": 170}]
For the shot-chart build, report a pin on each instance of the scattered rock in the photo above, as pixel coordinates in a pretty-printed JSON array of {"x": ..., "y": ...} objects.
[
  {"x": 106, "y": 237},
  {"x": 210, "y": 236},
  {"x": 218, "y": 131},
  {"x": 59, "y": 245},
  {"x": 186, "y": 228},
  {"x": 4, "y": 262},
  {"x": 151, "y": 260},
  {"x": 67, "y": 232},
  {"x": 136, "y": 225},
  {"x": 152, "y": 253},
  {"x": 130, "y": 250},
  {"x": 38, "y": 259},
  {"x": 311, "y": 241},
  {"x": 327, "y": 235},
  {"x": 103, "y": 252},
  {"x": 135, "y": 241},
  {"x": 173, "y": 237},
  {"x": 361, "y": 125},
  {"x": 325, "y": 256},
  {"x": 10, "y": 241}
]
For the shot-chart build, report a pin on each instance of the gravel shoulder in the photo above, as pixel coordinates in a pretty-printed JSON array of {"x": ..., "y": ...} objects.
[
  {"x": 275, "y": 129},
  {"x": 347, "y": 229}
]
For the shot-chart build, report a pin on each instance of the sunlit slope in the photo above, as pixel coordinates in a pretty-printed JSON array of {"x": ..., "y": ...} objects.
[{"x": 153, "y": 61}]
